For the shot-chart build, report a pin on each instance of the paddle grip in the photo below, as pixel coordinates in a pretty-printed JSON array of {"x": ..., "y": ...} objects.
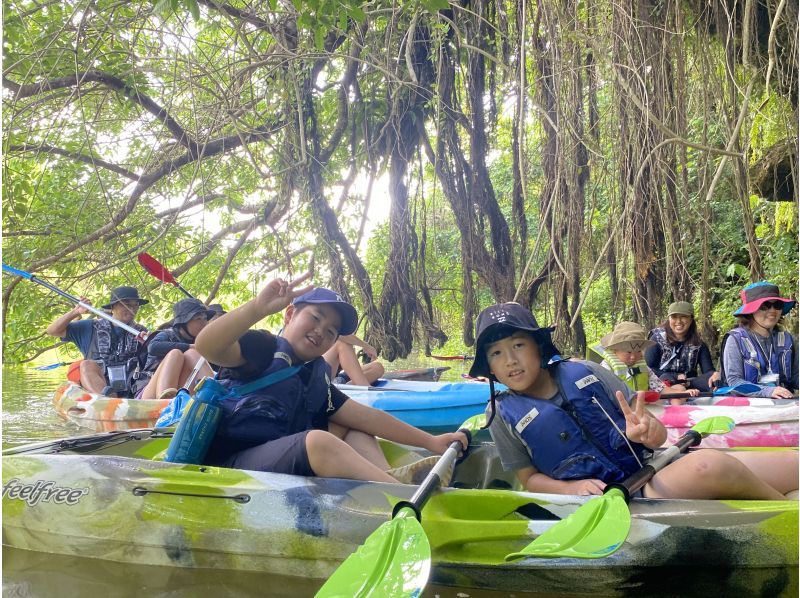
[{"x": 431, "y": 482}]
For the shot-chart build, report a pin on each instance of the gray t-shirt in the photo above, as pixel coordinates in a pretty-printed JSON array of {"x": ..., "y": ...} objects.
[{"x": 514, "y": 453}]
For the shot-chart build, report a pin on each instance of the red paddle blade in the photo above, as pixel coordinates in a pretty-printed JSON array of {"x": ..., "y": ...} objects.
[{"x": 154, "y": 267}]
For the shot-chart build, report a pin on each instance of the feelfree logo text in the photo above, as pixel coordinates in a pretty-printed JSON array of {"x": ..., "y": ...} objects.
[{"x": 42, "y": 491}]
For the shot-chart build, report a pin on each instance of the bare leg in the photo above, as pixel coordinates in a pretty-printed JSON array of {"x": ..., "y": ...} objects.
[
  {"x": 372, "y": 371},
  {"x": 166, "y": 375},
  {"x": 349, "y": 363},
  {"x": 779, "y": 469},
  {"x": 92, "y": 378},
  {"x": 190, "y": 359},
  {"x": 364, "y": 444},
  {"x": 331, "y": 356},
  {"x": 331, "y": 457},
  {"x": 710, "y": 474}
]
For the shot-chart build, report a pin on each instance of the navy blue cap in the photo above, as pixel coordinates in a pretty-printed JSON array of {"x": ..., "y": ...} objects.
[{"x": 346, "y": 311}]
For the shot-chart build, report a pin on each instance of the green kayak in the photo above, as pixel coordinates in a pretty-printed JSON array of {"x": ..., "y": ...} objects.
[{"x": 107, "y": 496}]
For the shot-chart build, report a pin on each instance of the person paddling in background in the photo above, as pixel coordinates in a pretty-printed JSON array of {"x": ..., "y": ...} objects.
[
  {"x": 566, "y": 426},
  {"x": 302, "y": 425},
  {"x": 758, "y": 351},
  {"x": 623, "y": 354},
  {"x": 109, "y": 352},
  {"x": 171, "y": 356},
  {"x": 678, "y": 351},
  {"x": 344, "y": 362}
]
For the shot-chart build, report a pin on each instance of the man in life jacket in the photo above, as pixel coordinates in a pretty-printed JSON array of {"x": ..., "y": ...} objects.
[{"x": 109, "y": 352}]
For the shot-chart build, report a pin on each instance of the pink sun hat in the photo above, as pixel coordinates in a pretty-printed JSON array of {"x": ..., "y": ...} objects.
[{"x": 753, "y": 295}]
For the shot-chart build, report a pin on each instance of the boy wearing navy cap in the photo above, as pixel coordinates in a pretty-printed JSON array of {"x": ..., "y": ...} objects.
[
  {"x": 302, "y": 425},
  {"x": 565, "y": 426}
]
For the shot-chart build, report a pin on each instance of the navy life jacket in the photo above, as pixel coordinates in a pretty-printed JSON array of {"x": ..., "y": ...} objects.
[
  {"x": 577, "y": 441},
  {"x": 754, "y": 359},
  {"x": 679, "y": 359},
  {"x": 279, "y": 410}
]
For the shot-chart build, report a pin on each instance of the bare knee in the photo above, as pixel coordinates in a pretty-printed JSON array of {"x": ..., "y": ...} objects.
[
  {"x": 320, "y": 442},
  {"x": 89, "y": 367},
  {"x": 713, "y": 466}
]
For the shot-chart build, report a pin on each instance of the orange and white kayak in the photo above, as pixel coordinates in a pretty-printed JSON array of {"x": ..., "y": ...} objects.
[{"x": 105, "y": 414}]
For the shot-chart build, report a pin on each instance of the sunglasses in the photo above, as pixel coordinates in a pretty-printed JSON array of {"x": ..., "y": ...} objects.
[{"x": 771, "y": 305}]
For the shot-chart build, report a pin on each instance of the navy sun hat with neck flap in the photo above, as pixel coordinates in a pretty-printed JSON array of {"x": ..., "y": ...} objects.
[{"x": 508, "y": 317}]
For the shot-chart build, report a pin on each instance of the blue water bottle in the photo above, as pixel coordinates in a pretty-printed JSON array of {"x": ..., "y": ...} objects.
[{"x": 198, "y": 424}]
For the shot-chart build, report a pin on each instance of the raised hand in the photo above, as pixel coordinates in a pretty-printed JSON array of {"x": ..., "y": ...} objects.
[
  {"x": 79, "y": 309},
  {"x": 278, "y": 294},
  {"x": 640, "y": 426}
]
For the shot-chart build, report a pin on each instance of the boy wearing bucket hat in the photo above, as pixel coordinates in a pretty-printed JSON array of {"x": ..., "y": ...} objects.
[
  {"x": 623, "y": 353},
  {"x": 679, "y": 352},
  {"x": 758, "y": 351},
  {"x": 171, "y": 355},
  {"x": 103, "y": 344},
  {"x": 559, "y": 428},
  {"x": 303, "y": 424}
]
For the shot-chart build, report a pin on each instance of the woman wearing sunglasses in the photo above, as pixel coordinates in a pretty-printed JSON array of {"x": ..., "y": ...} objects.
[{"x": 758, "y": 351}]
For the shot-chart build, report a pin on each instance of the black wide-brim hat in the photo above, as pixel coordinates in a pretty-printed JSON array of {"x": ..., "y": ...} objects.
[
  {"x": 508, "y": 316},
  {"x": 186, "y": 309},
  {"x": 124, "y": 294}
]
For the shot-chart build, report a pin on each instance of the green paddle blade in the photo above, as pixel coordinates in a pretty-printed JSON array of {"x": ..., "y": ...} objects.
[
  {"x": 596, "y": 529},
  {"x": 394, "y": 561},
  {"x": 474, "y": 423},
  {"x": 718, "y": 424}
]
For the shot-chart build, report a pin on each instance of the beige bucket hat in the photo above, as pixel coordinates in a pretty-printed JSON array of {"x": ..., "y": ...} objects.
[{"x": 627, "y": 336}]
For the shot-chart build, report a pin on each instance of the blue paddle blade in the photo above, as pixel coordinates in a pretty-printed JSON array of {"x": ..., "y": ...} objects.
[
  {"x": 596, "y": 529},
  {"x": 51, "y": 366},
  {"x": 744, "y": 389},
  {"x": 14, "y": 272}
]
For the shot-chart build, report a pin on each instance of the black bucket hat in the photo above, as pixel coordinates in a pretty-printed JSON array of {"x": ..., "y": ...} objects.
[
  {"x": 508, "y": 316},
  {"x": 217, "y": 309},
  {"x": 186, "y": 309},
  {"x": 124, "y": 294}
]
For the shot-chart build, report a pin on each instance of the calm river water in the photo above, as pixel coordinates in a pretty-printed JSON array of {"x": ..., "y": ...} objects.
[{"x": 28, "y": 416}]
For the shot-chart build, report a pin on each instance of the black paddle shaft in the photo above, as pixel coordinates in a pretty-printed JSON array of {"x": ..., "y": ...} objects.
[
  {"x": 633, "y": 483},
  {"x": 433, "y": 480}
]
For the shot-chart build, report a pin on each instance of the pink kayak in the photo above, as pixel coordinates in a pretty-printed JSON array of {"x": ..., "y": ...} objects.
[{"x": 757, "y": 425}]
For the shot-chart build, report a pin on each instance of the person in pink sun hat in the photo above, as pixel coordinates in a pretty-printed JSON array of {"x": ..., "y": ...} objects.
[{"x": 759, "y": 351}]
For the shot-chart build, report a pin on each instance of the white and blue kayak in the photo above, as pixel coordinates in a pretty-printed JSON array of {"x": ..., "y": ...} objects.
[{"x": 433, "y": 406}]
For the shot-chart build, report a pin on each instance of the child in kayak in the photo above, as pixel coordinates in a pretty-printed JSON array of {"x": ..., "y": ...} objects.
[
  {"x": 566, "y": 426},
  {"x": 302, "y": 425},
  {"x": 623, "y": 353}
]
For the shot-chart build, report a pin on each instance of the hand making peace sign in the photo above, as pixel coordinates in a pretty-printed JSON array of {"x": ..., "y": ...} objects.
[{"x": 640, "y": 426}]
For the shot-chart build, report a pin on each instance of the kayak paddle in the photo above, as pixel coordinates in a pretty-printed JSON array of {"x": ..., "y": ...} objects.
[
  {"x": 157, "y": 269},
  {"x": 395, "y": 560},
  {"x": 453, "y": 357},
  {"x": 742, "y": 389},
  {"x": 600, "y": 526},
  {"x": 98, "y": 312},
  {"x": 51, "y": 366}
]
